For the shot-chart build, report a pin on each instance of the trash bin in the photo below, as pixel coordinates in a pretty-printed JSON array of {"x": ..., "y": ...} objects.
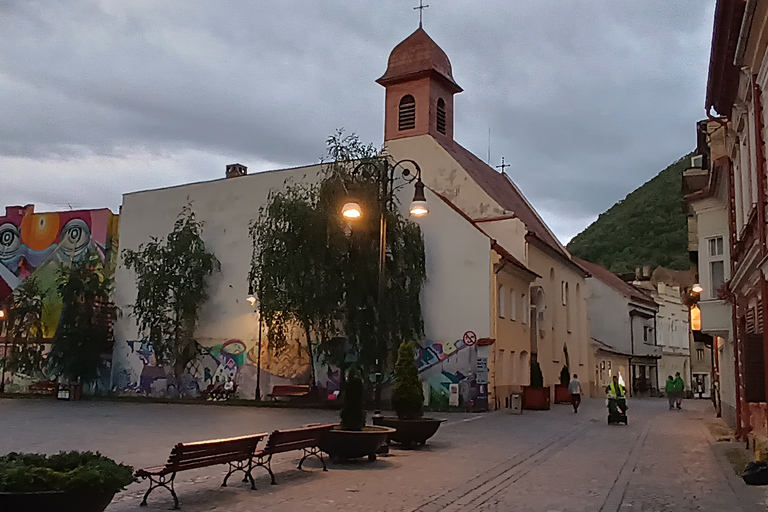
[{"x": 516, "y": 403}]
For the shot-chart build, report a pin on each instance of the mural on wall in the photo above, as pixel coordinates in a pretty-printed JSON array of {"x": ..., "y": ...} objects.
[
  {"x": 39, "y": 243},
  {"x": 453, "y": 370}
]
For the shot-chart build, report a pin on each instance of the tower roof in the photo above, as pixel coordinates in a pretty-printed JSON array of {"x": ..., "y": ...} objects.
[{"x": 417, "y": 55}]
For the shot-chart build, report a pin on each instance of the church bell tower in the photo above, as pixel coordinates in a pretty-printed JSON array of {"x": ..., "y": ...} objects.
[{"x": 419, "y": 90}]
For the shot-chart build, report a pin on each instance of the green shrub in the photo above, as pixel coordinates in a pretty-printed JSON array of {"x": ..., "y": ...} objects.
[
  {"x": 353, "y": 413},
  {"x": 407, "y": 395},
  {"x": 565, "y": 376},
  {"x": 82, "y": 472},
  {"x": 537, "y": 378}
]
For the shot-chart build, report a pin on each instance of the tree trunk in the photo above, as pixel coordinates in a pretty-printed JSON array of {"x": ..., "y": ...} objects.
[{"x": 313, "y": 383}]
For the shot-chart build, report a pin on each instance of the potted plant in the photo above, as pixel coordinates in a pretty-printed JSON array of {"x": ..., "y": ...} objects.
[
  {"x": 408, "y": 402},
  {"x": 352, "y": 438},
  {"x": 562, "y": 395},
  {"x": 66, "y": 482},
  {"x": 536, "y": 396}
]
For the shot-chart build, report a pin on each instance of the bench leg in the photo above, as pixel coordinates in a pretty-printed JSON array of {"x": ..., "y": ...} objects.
[
  {"x": 243, "y": 466},
  {"x": 161, "y": 481},
  {"x": 314, "y": 450},
  {"x": 266, "y": 464}
]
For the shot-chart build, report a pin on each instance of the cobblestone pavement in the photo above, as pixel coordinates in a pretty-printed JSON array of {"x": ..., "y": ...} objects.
[{"x": 552, "y": 461}]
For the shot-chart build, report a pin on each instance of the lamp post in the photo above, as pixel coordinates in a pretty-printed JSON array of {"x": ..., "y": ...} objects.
[
  {"x": 5, "y": 351},
  {"x": 351, "y": 211},
  {"x": 252, "y": 300}
]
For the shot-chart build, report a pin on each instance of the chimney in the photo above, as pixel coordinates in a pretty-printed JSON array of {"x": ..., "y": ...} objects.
[
  {"x": 235, "y": 170},
  {"x": 647, "y": 272},
  {"x": 638, "y": 275}
]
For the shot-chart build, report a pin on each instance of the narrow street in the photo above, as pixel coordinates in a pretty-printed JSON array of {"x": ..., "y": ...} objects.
[{"x": 539, "y": 461}]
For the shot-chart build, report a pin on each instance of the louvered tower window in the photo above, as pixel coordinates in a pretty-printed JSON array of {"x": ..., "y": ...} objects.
[
  {"x": 407, "y": 118},
  {"x": 441, "y": 116}
]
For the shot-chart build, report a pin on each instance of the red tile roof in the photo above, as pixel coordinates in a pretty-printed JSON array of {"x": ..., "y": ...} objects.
[
  {"x": 502, "y": 190},
  {"x": 615, "y": 282}
]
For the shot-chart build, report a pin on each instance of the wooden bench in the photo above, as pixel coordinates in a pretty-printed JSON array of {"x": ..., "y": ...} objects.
[
  {"x": 48, "y": 387},
  {"x": 281, "y": 441},
  {"x": 236, "y": 451},
  {"x": 288, "y": 391}
]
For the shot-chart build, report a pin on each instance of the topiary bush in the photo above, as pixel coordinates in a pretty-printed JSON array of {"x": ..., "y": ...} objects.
[
  {"x": 537, "y": 378},
  {"x": 79, "y": 472},
  {"x": 565, "y": 376},
  {"x": 407, "y": 395},
  {"x": 353, "y": 412}
]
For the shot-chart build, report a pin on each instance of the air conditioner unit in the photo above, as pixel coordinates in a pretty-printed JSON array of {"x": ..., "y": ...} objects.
[{"x": 697, "y": 161}]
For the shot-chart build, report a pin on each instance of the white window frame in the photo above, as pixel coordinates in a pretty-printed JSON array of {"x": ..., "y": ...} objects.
[
  {"x": 512, "y": 305},
  {"x": 501, "y": 303}
]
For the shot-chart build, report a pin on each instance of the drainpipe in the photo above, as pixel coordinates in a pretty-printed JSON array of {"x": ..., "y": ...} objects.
[
  {"x": 631, "y": 351},
  {"x": 744, "y": 32}
]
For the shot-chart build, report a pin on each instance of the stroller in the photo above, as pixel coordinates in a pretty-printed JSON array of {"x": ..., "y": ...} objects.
[{"x": 617, "y": 410}]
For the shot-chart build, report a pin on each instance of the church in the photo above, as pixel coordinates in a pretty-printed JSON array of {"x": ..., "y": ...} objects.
[{"x": 501, "y": 293}]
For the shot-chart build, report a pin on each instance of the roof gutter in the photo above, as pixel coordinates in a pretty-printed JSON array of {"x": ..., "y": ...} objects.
[{"x": 744, "y": 32}]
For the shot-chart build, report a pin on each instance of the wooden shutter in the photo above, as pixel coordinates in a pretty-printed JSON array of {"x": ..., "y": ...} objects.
[{"x": 754, "y": 368}]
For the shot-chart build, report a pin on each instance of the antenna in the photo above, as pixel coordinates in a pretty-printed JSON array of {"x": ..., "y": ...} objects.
[{"x": 503, "y": 165}]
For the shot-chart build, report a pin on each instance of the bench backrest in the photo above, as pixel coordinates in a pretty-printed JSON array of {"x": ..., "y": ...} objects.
[
  {"x": 208, "y": 453},
  {"x": 296, "y": 439},
  {"x": 290, "y": 389}
]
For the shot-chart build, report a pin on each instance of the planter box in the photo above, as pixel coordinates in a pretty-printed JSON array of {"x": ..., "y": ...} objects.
[
  {"x": 535, "y": 399},
  {"x": 409, "y": 432},
  {"x": 58, "y": 501},
  {"x": 562, "y": 395},
  {"x": 353, "y": 444}
]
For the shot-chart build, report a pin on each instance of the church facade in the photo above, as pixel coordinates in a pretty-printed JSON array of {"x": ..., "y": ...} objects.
[{"x": 501, "y": 290}]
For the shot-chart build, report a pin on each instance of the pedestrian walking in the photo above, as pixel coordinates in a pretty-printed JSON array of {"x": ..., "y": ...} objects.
[
  {"x": 574, "y": 388},
  {"x": 669, "y": 389},
  {"x": 680, "y": 389}
]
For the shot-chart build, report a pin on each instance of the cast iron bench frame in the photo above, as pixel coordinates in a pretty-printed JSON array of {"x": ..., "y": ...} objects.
[
  {"x": 289, "y": 391},
  {"x": 237, "y": 452},
  {"x": 306, "y": 439}
]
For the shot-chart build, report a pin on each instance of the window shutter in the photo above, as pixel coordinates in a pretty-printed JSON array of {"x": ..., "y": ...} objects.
[
  {"x": 754, "y": 368},
  {"x": 407, "y": 118}
]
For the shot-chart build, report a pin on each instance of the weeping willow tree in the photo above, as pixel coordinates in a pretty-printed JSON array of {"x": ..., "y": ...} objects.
[{"x": 313, "y": 269}]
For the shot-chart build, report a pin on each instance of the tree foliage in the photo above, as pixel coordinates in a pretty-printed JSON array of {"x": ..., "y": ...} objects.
[
  {"x": 172, "y": 285},
  {"x": 537, "y": 378},
  {"x": 647, "y": 228},
  {"x": 407, "y": 395},
  {"x": 84, "y": 332},
  {"x": 353, "y": 412},
  {"x": 312, "y": 269},
  {"x": 24, "y": 330}
]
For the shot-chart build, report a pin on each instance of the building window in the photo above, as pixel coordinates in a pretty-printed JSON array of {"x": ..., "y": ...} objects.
[
  {"x": 526, "y": 309},
  {"x": 441, "y": 116},
  {"x": 716, "y": 246},
  {"x": 646, "y": 331},
  {"x": 512, "y": 306},
  {"x": 699, "y": 354},
  {"x": 501, "y": 302},
  {"x": 717, "y": 276},
  {"x": 407, "y": 118}
]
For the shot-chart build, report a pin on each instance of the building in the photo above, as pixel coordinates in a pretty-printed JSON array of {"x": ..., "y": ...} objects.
[
  {"x": 501, "y": 291},
  {"x": 622, "y": 321},
  {"x": 732, "y": 162},
  {"x": 38, "y": 244}
]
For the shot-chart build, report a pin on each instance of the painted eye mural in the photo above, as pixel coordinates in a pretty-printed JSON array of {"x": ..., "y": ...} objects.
[
  {"x": 75, "y": 239},
  {"x": 40, "y": 230},
  {"x": 11, "y": 248}
]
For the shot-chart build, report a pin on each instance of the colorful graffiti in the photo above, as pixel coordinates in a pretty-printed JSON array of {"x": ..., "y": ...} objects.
[
  {"x": 451, "y": 369},
  {"x": 435, "y": 352},
  {"x": 39, "y": 243}
]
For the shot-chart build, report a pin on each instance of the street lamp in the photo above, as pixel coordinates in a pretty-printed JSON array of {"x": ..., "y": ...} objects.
[
  {"x": 385, "y": 178},
  {"x": 252, "y": 300},
  {"x": 5, "y": 351},
  {"x": 697, "y": 288}
]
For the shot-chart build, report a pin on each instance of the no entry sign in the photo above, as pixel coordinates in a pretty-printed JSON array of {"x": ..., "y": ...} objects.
[{"x": 470, "y": 338}]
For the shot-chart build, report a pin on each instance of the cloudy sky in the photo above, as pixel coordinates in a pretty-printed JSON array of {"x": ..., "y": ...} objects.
[{"x": 587, "y": 99}]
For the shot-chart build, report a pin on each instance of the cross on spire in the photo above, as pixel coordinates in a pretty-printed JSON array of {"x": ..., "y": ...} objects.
[
  {"x": 503, "y": 165},
  {"x": 420, "y": 8}
]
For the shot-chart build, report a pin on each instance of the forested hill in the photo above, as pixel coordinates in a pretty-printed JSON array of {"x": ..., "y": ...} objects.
[{"x": 647, "y": 228}]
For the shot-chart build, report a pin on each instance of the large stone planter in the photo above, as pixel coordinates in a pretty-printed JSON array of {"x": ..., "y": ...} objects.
[
  {"x": 409, "y": 432},
  {"x": 53, "y": 501},
  {"x": 535, "y": 399},
  {"x": 353, "y": 444},
  {"x": 562, "y": 395}
]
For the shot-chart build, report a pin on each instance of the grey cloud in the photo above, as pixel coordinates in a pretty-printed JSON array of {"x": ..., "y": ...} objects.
[{"x": 587, "y": 99}]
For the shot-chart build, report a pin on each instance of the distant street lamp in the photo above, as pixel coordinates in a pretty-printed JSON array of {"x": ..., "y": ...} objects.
[
  {"x": 252, "y": 300},
  {"x": 5, "y": 351},
  {"x": 697, "y": 288},
  {"x": 385, "y": 178}
]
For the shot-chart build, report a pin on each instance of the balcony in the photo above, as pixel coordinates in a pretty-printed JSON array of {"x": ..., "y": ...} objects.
[{"x": 715, "y": 317}]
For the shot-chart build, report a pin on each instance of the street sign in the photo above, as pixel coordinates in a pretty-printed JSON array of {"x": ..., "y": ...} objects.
[{"x": 470, "y": 338}]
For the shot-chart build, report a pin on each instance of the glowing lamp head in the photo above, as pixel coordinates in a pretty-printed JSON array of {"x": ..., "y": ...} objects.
[
  {"x": 251, "y": 298},
  {"x": 419, "y": 204},
  {"x": 351, "y": 211},
  {"x": 2, "y": 313},
  {"x": 697, "y": 288}
]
